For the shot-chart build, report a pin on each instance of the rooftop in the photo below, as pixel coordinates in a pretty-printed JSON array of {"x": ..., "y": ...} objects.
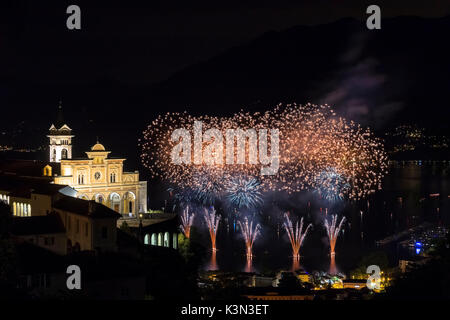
[
  {"x": 37, "y": 225},
  {"x": 25, "y": 186},
  {"x": 30, "y": 168},
  {"x": 98, "y": 147},
  {"x": 85, "y": 208}
]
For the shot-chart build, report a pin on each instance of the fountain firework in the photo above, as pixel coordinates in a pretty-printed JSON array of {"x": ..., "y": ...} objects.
[
  {"x": 186, "y": 222},
  {"x": 333, "y": 231},
  {"x": 296, "y": 234},
  {"x": 249, "y": 234},
  {"x": 212, "y": 221}
]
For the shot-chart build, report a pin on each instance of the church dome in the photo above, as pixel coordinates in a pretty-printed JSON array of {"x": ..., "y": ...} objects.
[{"x": 98, "y": 147}]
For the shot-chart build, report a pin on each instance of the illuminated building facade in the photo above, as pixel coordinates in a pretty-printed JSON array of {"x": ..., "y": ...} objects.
[
  {"x": 101, "y": 178},
  {"x": 60, "y": 139},
  {"x": 97, "y": 176}
]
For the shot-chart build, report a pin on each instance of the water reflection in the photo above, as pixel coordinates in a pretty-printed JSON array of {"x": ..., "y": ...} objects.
[
  {"x": 333, "y": 269},
  {"x": 213, "y": 261},
  {"x": 248, "y": 265},
  {"x": 411, "y": 195},
  {"x": 295, "y": 263}
]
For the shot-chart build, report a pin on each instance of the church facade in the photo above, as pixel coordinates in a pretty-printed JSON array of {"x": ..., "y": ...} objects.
[{"x": 97, "y": 176}]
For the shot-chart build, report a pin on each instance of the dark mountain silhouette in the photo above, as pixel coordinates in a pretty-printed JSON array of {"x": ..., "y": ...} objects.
[{"x": 382, "y": 77}]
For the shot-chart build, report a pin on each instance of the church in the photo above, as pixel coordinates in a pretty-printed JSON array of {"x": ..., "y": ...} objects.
[
  {"x": 70, "y": 204},
  {"x": 96, "y": 176}
]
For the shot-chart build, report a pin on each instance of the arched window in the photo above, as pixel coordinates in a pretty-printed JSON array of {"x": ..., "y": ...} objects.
[
  {"x": 154, "y": 240},
  {"x": 175, "y": 241},
  {"x": 128, "y": 202},
  {"x": 47, "y": 171},
  {"x": 160, "y": 239},
  {"x": 146, "y": 239},
  {"x": 166, "y": 239},
  {"x": 114, "y": 200},
  {"x": 64, "y": 154},
  {"x": 112, "y": 177}
]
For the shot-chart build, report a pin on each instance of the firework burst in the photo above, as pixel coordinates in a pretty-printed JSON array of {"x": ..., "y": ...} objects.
[
  {"x": 331, "y": 185},
  {"x": 250, "y": 233},
  {"x": 317, "y": 151},
  {"x": 243, "y": 192}
]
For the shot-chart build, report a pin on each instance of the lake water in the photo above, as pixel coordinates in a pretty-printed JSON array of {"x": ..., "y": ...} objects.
[{"x": 413, "y": 192}]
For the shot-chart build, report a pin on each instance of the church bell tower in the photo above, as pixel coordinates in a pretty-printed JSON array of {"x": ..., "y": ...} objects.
[{"x": 60, "y": 139}]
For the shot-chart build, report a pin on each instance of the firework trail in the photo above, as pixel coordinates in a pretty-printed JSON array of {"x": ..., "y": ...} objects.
[
  {"x": 186, "y": 222},
  {"x": 243, "y": 192},
  {"x": 296, "y": 234},
  {"x": 212, "y": 221},
  {"x": 249, "y": 234},
  {"x": 333, "y": 232},
  {"x": 318, "y": 151}
]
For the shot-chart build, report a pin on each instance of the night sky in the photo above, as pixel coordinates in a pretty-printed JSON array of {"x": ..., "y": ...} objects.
[
  {"x": 132, "y": 60},
  {"x": 139, "y": 43}
]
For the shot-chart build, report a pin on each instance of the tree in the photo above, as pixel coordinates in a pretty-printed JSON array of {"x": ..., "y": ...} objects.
[
  {"x": 5, "y": 220},
  {"x": 378, "y": 258},
  {"x": 125, "y": 227},
  {"x": 8, "y": 256},
  {"x": 289, "y": 281},
  {"x": 428, "y": 281},
  {"x": 192, "y": 249}
]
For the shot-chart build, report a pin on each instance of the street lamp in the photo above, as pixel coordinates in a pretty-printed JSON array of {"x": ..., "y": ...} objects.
[{"x": 140, "y": 227}]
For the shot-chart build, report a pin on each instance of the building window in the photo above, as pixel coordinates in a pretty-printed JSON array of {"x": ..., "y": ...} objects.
[
  {"x": 81, "y": 179},
  {"x": 166, "y": 239},
  {"x": 64, "y": 154},
  {"x": 175, "y": 241},
  {"x": 112, "y": 177},
  {"x": 104, "y": 232}
]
